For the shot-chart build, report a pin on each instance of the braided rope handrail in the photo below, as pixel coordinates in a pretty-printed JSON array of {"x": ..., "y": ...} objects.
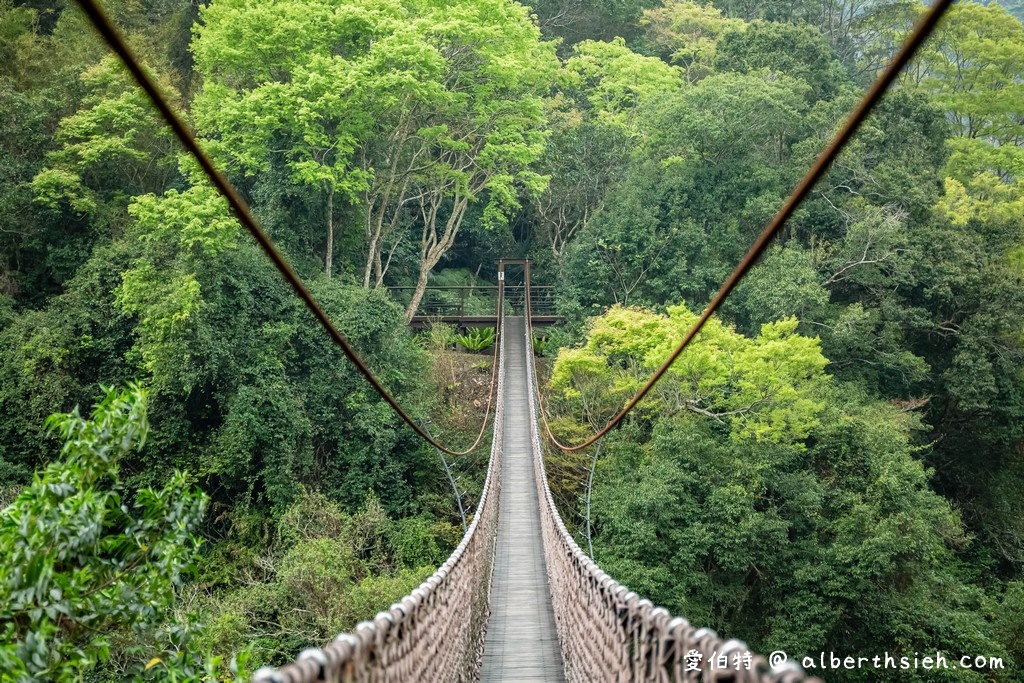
[
  {"x": 609, "y": 633},
  {"x": 436, "y": 633}
]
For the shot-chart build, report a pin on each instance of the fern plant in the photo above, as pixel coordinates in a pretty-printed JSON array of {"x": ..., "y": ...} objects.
[
  {"x": 476, "y": 339},
  {"x": 540, "y": 345}
]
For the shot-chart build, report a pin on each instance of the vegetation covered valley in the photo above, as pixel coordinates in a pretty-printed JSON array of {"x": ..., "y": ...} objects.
[{"x": 196, "y": 482}]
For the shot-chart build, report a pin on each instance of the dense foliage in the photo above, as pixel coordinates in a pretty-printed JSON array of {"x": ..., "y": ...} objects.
[
  {"x": 84, "y": 564},
  {"x": 835, "y": 464}
]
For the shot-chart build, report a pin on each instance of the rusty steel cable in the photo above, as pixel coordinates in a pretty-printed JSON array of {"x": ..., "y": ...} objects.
[
  {"x": 113, "y": 38},
  {"x": 874, "y": 94}
]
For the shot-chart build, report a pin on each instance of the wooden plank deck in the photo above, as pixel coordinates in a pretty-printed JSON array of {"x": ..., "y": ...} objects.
[{"x": 521, "y": 642}]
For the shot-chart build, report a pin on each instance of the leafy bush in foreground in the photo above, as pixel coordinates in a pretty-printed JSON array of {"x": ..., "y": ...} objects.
[{"x": 83, "y": 562}]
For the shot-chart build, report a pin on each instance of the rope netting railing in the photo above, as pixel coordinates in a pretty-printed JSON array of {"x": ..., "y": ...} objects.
[
  {"x": 609, "y": 633},
  {"x": 436, "y": 633}
]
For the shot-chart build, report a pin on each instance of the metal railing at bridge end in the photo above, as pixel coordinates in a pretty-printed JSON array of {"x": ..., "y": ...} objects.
[{"x": 474, "y": 305}]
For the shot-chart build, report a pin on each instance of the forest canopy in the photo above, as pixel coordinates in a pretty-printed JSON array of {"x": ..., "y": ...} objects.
[{"x": 836, "y": 463}]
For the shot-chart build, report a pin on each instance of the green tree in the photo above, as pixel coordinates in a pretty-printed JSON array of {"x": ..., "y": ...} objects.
[
  {"x": 972, "y": 68},
  {"x": 573, "y": 21},
  {"x": 686, "y": 33},
  {"x": 768, "y": 10},
  {"x": 1014, "y": 7},
  {"x": 179, "y": 233},
  {"x": 765, "y": 388},
  {"x": 584, "y": 159},
  {"x": 53, "y": 68},
  {"x": 51, "y": 357},
  {"x": 427, "y": 108},
  {"x": 298, "y": 98},
  {"x": 840, "y": 544},
  {"x": 595, "y": 119},
  {"x": 84, "y": 558},
  {"x": 617, "y": 82},
  {"x": 797, "y": 50},
  {"x": 324, "y": 571},
  {"x": 714, "y": 168},
  {"x": 114, "y": 146},
  {"x": 38, "y": 85}
]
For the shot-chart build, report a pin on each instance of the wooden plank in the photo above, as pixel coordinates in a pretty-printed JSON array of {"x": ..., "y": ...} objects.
[{"x": 521, "y": 642}]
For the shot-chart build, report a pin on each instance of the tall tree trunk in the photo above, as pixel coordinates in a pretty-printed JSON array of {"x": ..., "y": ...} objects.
[
  {"x": 329, "y": 259},
  {"x": 378, "y": 270},
  {"x": 417, "y": 295},
  {"x": 371, "y": 250},
  {"x": 433, "y": 247}
]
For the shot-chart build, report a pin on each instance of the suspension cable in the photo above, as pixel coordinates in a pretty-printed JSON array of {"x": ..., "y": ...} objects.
[
  {"x": 874, "y": 94},
  {"x": 113, "y": 38}
]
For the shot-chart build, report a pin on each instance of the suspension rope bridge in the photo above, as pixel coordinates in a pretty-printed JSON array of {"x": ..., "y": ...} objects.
[{"x": 518, "y": 599}]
